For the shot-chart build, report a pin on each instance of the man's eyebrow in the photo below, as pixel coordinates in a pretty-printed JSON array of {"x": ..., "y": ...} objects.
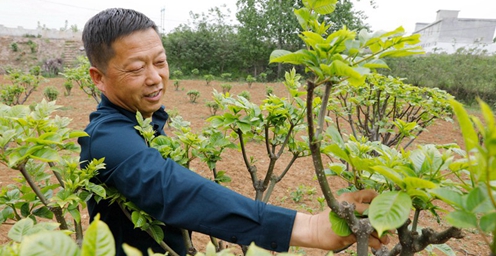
[{"x": 161, "y": 52}]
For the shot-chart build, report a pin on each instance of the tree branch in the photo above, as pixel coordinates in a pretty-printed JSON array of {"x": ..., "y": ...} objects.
[{"x": 57, "y": 211}]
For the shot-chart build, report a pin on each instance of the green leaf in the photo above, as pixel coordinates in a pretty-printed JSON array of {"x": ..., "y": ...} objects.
[
  {"x": 254, "y": 250},
  {"x": 338, "y": 225},
  {"x": 389, "y": 210},
  {"x": 336, "y": 151},
  {"x": 303, "y": 16},
  {"x": 322, "y": 7},
  {"x": 418, "y": 195},
  {"x": 21, "y": 153},
  {"x": 157, "y": 233},
  {"x": 76, "y": 215},
  {"x": 487, "y": 222},
  {"x": 25, "y": 210},
  {"x": 138, "y": 219},
  {"x": 131, "y": 251},
  {"x": 244, "y": 126},
  {"x": 462, "y": 219},
  {"x": 46, "y": 155},
  {"x": 477, "y": 201},
  {"x": 468, "y": 131},
  {"x": 20, "y": 229},
  {"x": 43, "y": 212},
  {"x": 296, "y": 58},
  {"x": 47, "y": 226},
  {"x": 97, "y": 189},
  {"x": 390, "y": 174},
  {"x": 337, "y": 168},
  {"x": 49, "y": 243},
  {"x": 377, "y": 63},
  {"x": 448, "y": 195},
  {"x": 488, "y": 113},
  {"x": 417, "y": 183},
  {"x": 444, "y": 248},
  {"x": 98, "y": 240},
  {"x": 339, "y": 68},
  {"x": 401, "y": 53},
  {"x": 77, "y": 134},
  {"x": 333, "y": 132},
  {"x": 210, "y": 250}
]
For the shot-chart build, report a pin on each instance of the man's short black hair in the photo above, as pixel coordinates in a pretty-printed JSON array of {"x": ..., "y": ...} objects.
[{"x": 107, "y": 26}]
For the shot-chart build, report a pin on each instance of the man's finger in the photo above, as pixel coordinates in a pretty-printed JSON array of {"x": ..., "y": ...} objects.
[
  {"x": 384, "y": 239},
  {"x": 375, "y": 243},
  {"x": 366, "y": 195}
]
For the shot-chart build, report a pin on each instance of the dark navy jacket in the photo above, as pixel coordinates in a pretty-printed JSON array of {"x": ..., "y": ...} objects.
[{"x": 171, "y": 193}]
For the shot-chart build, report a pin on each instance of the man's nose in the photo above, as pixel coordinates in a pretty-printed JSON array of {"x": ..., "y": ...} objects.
[{"x": 153, "y": 76}]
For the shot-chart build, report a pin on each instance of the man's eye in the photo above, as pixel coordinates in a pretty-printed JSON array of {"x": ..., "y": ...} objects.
[{"x": 135, "y": 70}]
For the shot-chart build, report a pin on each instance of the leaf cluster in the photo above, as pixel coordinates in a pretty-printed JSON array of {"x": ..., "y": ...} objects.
[
  {"x": 475, "y": 199},
  {"x": 277, "y": 123},
  {"x": 40, "y": 146},
  {"x": 387, "y": 110},
  {"x": 23, "y": 84},
  {"x": 80, "y": 75}
]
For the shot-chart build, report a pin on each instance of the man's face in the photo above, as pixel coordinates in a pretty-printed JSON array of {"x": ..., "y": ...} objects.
[{"x": 137, "y": 75}]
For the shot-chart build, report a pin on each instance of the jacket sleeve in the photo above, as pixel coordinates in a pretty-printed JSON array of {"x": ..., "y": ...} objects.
[{"x": 182, "y": 198}]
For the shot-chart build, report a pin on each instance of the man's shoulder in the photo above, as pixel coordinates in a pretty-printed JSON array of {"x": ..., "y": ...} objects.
[{"x": 109, "y": 117}]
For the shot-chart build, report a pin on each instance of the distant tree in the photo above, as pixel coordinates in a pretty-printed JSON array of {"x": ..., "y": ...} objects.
[
  {"x": 208, "y": 43},
  {"x": 345, "y": 15}
]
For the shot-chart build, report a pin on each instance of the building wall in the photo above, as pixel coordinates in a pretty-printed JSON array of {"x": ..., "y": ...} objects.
[
  {"x": 467, "y": 30},
  {"x": 449, "y": 48},
  {"x": 49, "y": 44},
  {"x": 449, "y": 33},
  {"x": 43, "y": 33}
]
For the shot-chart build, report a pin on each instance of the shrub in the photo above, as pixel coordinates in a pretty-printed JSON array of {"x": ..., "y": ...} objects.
[
  {"x": 269, "y": 90},
  {"x": 35, "y": 71},
  {"x": 81, "y": 77},
  {"x": 213, "y": 107},
  {"x": 195, "y": 72},
  {"x": 68, "y": 87},
  {"x": 10, "y": 94},
  {"x": 193, "y": 95},
  {"x": 250, "y": 80},
  {"x": 32, "y": 45},
  {"x": 245, "y": 94},
  {"x": 177, "y": 74},
  {"x": 404, "y": 111},
  {"x": 226, "y": 88},
  {"x": 208, "y": 78},
  {"x": 51, "y": 93},
  {"x": 226, "y": 76},
  {"x": 14, "y": 46},
  {"x": 176, "y": 85},
  {"x": 262, "y": 77},
  {"x": 22, "y": 84},
  {"x": 443, "y": 71},
  {"x": 48, "y": 182}
]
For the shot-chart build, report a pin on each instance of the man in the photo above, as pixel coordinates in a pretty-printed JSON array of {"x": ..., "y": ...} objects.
[{"x": 129, "y": 66}]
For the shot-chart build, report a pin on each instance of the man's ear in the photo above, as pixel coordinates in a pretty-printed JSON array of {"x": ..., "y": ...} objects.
[{"x": 98, "y": 78}]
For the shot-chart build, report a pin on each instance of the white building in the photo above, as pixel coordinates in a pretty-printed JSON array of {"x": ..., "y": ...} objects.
[{"x": 449, "y": 33}]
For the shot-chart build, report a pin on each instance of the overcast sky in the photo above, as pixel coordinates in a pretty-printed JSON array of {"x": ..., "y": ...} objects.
[{"x": 387, "y": 16}]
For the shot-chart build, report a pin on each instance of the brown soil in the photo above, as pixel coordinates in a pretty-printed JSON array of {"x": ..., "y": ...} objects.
[{"x": 78, "y": 106}]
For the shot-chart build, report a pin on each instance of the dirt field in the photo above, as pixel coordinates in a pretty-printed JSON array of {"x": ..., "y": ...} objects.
[{"x": 78, "y": 106}]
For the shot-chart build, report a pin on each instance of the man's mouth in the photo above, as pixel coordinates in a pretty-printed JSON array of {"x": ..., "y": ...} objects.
[{"x": 154, "y": 94}]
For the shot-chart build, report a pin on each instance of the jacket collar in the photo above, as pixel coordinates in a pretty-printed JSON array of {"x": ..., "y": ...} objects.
[{"x": 159, "y": 117}]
